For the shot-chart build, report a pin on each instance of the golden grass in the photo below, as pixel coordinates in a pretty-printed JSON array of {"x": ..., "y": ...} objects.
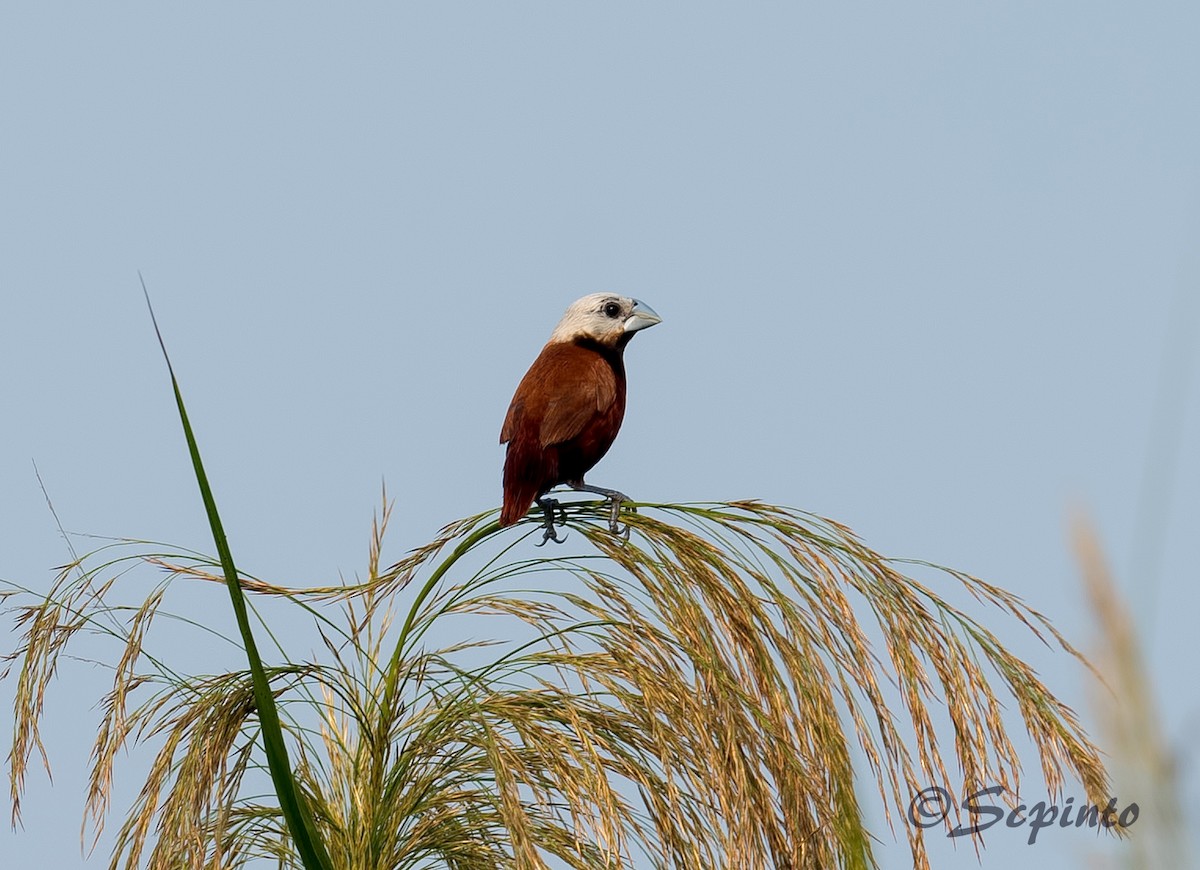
[
  {"x": 695, "y": 697},
  {"x": 1144, "y": 769}
]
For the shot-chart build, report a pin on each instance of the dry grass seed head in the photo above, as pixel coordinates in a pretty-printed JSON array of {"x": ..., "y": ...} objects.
[{"x": 693, "y": 700}]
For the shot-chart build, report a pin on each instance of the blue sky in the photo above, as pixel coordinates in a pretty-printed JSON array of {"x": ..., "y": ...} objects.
[{"x": 919, "y": 267}]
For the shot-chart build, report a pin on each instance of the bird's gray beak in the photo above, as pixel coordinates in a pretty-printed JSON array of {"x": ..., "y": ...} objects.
[{"x": 640, "y": 317}]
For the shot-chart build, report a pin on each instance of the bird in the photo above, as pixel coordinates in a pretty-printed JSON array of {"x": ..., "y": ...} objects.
[{"x": 568, "y": 408}]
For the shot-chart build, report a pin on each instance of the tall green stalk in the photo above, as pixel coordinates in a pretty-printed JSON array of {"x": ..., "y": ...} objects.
[{"x": 291, "y": 801}]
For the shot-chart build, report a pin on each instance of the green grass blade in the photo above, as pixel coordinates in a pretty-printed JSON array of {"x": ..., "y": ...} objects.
[{"x": 299, "y": 820}]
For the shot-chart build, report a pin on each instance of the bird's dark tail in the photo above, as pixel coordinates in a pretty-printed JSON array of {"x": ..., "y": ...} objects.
[
  {"x": 523, "y": 476},
  {"x": 514, "y": 509}
]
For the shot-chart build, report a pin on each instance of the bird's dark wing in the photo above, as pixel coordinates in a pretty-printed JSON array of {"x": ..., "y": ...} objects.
[
  {"x": 585, "y": 388},
  {"x": 566, "y": 388}
]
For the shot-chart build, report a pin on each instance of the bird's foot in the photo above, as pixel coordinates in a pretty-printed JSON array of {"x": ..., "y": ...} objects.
[
  {"x": 549, "y": 506},
  {"x": 615, "y": 499},
  {"x": 614, "y": 524}
]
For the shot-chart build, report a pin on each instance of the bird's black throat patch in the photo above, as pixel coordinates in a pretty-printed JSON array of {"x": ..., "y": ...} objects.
[{"x": 613, "y": 355}]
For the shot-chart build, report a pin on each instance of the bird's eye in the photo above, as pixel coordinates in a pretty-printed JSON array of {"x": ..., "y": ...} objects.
[{"x": 612, "y": 309}]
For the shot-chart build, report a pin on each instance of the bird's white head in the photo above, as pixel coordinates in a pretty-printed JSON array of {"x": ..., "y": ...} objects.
[{"x": 606, "y": 318}]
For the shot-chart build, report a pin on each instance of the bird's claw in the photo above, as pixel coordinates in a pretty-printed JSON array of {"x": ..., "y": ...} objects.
[
  {"x": 615, "y": 501},
  {"x": 549, "y": 506},
  {"x": 549, "y": 535},
  {"x": 614, "y": 523}
]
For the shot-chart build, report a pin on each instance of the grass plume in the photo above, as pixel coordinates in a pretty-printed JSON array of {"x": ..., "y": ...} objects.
[
  {"x": 694, "y": 697},
  {"x": 1144, "y": 763}
]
